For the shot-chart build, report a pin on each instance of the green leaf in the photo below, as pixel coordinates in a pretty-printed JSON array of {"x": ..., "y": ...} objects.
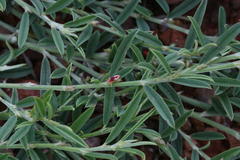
[
  {"x": 82, "y": 119},
  {"x": 14, "y": 96},
  {"x": 173, "y": 153},
  {"x": 164, "y": 5},
  {"x": 184, "y": 7},
  {"x": 142, "y": 24},
  {"x": 7, "y": 128},
  {"x": 112, "y": 23},
  {"x": 197, "y": 31},
  {"x": 162, "y": 60},
  {"x": 23, "y": 30},
  {"x": 197, "y": 76},
  {"x": 191, "y": 83},
  {"x": 221, "y": 20},
  {"x": 108, "y": 104},
  {"x": 58, "y": 40},
  {"x": 58, "y": 73},
  {"x": 133, "y": 151},
  {"x": 150, "y": 40},
  {"x": 24, "y": 124},
  {"x": 59, "y": 5},
  {"x": 26, "y": 102},
  {"x": 3, "y": 5},
  {"x": 171, "y": 94},
  {"x": 92, "y": 44},
  {"x": 235, "y": 101},
  {"x": 65, "y": 132},
  {"x": 40, "y": 106},
  {"x": 128, "y": 10},
  {"x": 121, "y": 52},
  {"x": 45, "y": 73},
  {"x": 85, "y": 35},
  {"x": 19, "y": 134},
  {"x": 143, "y": 11},
  {"x": 130, "y": 112},
  {"x": 80, "y": 21},
  {"x": 227, "y": 154},
  {"x": 38, "y": 5},
  {"x": 226, "y": 82},
  {"x": 138, "y": 123},
  {"x": 179, "y": 123},
  {"x": 160, "y": 105},
  {"x": 222, "y": 42},
  {"x": 18, "y": 72},
  {"x": 33, "y": 155},
  {"x": 101, "y": 155},
  {"x": 226, "y": 104},
  {"x": 137, "y": 53},
  {"x": 198, "y": 16},
  {"x": 207, "y": 136}
]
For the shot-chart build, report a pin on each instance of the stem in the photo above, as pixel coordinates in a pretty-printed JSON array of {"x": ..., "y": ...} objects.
[
  {"x": 56, "y": 146},
  {"x": 31, "y": 86}
]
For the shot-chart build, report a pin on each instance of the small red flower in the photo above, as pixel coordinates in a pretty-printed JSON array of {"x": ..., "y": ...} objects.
[
  {"x": 145, "y": 52},
  {"x": 113, "y": 79}
]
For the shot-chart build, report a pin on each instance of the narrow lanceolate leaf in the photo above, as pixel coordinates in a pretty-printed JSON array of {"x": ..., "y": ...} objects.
[
  {"x": 108, "y": 104},
  {"x": 192, "y": 83},
  {"x": 58, "y": 73},
  {"x": 128, "y": 10},
  {"x": 179, "y": 123},
  {"x": 130, "y": 112},
  {"x": 59, "y": 5},
  {"x": 82, "y": 119},
  {"x": 164, "y": 5},
  {"x": 162, "y": 60},
  {"x": 160, "y": 105},
  {"x": 222, "y": 42},
  {"x": 184, "y": 7},
  {"x": 14, "y": 96},
  {"x": 7, "y": 128},
  {"x": 65, "y": 132},
  {"x": 101, "y": 155},
  {"x": 113, "y": 24},
  {"x": 137, "y": 53},
  {"x": 58, "y": 40},
  {"x": 45, "y": 73},
  {"x": 198, "y": 16},
  {"x": 40, "y": 106},
  {"x": 226, "y": 82},
  {"x": 197, "y": 30},
  {"x": 149, "y": 39},
  {"x": 207, "y": 136},
  {"x": 80, "y": 21},
  {"x": 226, "y": 104},
  {"x": 121, "y": 52},
  {"x": 134, "y": 152},
  {"x": 85, "y": 35},
  {"x": 221, "y": 20},
  {"x": 38, "y": 5},
  {"x": 227, "y": 154},
  {"x": 19, "y": 134},
  {"x": 2, "y": 5},
  {"x": 138, "y": 123},
  {"x": 33, "y": 155},
  {"x": 23, "y": 30}
]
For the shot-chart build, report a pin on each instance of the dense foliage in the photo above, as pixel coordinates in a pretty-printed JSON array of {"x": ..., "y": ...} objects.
[{"x": 85, "y": 110}]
